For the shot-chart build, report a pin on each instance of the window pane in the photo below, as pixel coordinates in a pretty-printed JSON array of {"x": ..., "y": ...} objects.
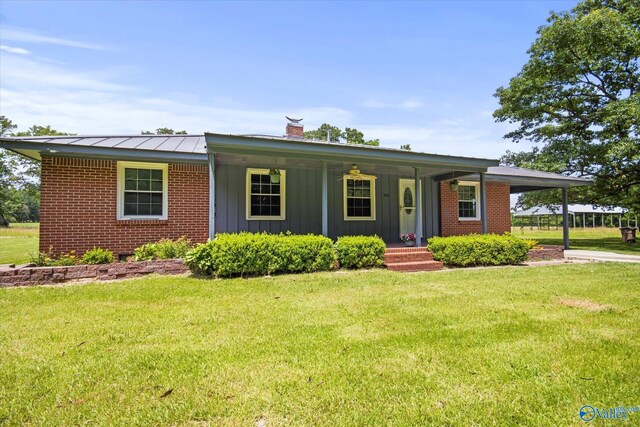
[
  {"x": 156, "y": 174},
  {"x": 130, "y": 185},
  {"x": 156, "y": 209},
  {"x": 144, "y": 198},
  {"x": 156, "y": 198},
  {"x": 144, "y": 174},
  {"x": 156, "y": 185},
  {"x": 359, "y": 198},
  {"x": 131, "y": 173},
  {"x": 130, "y": 209},
  {"x": 467, "y": 209},
  {"x": 131, "y": 198},
  {"x": 466, "y": 192},
  {"x": 144, "y": 185},
  {"x": 144, "y": 209},
  {"x": 264, "y": 196}
]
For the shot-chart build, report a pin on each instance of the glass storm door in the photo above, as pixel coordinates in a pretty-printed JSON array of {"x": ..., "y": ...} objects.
[{"x": 407, "y": 196}]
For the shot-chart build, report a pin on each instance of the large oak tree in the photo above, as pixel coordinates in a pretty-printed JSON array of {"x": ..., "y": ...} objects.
[{"x": 578, "y": 98}]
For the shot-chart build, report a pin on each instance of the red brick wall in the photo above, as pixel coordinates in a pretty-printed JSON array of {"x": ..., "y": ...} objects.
[
  {"x": 78, "y": 207},
  {"x": 498, "y": 213}
]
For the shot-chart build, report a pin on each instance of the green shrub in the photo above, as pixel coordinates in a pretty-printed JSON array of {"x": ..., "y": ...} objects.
[
  {"x": 98, "y": 256},
  {"x": 479, "y": 249},
  {"x": 163, "y": 249},
  {"x": 261, "y": 253},
  {"x": 48, "y": 259},
  {"x": 532, "y": 243},
  {"x": 360, "y": 251}
]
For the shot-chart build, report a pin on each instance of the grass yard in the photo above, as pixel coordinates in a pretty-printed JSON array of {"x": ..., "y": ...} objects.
[
  {"x": 596, "y": 239},
  {"x": 17, "y": 242},
  {"x": 501, "y": 346}
]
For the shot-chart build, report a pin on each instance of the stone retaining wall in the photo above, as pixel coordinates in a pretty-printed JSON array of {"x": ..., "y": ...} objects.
[
  {"x": 28, "y": 276},
  {"x": 546, "y": 253}
]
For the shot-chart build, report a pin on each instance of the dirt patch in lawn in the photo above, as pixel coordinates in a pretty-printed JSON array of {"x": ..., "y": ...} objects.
[{"x": 585, "y": 304}]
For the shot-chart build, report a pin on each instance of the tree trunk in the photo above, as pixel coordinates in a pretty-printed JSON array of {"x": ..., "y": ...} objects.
[{"x": 3, "y": 221}]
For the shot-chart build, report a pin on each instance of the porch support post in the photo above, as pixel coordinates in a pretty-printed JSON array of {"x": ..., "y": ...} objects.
[
  {"x": 212, "y": 195},
  {"x": 325, "y": 200},
  {"x": 418, "y": 189},
  {"x": 565, "y": 218},
  {"x": 483, "y": 203}
]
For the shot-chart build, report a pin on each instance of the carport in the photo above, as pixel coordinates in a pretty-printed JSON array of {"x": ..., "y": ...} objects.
[{"x": 525, "y": 180}]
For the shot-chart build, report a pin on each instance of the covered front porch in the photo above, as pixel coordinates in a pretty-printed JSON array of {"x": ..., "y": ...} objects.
[{"x": 317, "y": 193}]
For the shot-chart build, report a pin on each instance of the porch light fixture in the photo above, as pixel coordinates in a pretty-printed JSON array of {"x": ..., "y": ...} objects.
[{"x": 453, "y": 185}]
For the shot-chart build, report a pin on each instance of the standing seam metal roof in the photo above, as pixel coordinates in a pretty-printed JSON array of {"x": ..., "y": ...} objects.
[{"x": 177, "y": 143}]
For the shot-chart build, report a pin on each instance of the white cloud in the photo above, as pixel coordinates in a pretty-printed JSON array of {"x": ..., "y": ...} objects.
[
  {"x": 34, "y": 92},
  {"x": 20, "y": 71},
  {"x": 475, "y": 138},
  {"x": 95, "y": 102},
  {"x": 24, "y": 36},
  {"x": 16, "y": 50},
  {"x": 408, "y": 104}
]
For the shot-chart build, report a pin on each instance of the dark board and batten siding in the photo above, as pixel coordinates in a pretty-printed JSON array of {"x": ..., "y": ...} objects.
[
  {"x": 303, "y": 202},
  {"x": 304, "y": 205}
]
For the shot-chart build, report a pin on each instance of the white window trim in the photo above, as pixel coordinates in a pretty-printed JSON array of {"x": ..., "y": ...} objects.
[
  {"x": 283, "y": 196},
  {"x": 371, "y": 178},
  {"x": 165, "y": 190},
  {"x": 470, "y": 184}
]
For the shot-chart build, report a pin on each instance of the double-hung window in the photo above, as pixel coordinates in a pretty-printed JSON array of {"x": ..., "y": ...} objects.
[
  {"x": 359, "y": 198},
  {"x": 265, "y": 199},
  {"x": 142, "y": 190},
  {"x": 468, "y": 193}
]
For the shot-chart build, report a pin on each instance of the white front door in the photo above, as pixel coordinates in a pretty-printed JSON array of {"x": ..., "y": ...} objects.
[{"x": 407, "y": 199}]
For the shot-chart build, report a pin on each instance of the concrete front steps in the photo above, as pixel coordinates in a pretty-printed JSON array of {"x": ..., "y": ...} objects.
[{"x": 410, "y": 259}]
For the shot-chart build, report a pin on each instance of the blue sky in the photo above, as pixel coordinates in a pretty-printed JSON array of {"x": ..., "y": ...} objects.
[{"x": 422, "y": 73}]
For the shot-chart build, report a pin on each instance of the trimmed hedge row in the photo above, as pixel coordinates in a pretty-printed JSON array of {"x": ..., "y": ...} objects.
[
  {"x": 479, "y": 249},
  {"x": 360, "y": 251},
  {"x": 262, "y": 253}
]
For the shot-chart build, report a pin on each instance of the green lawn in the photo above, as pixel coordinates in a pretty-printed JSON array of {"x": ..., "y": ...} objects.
[
  {"x": 597, "y": 239},
  {"x": 500, "y": 346},
  {"x": 17, "y": 242}
]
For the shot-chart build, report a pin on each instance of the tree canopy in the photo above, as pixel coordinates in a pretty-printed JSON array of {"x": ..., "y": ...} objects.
[
  {"x": 349, "y": 135},
  {"x": 578, "y": 98},
  {"x": 164, "y": 131},
  {"x": 20, "y": 177}
]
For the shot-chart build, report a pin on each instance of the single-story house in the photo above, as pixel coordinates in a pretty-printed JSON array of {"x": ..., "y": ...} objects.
[{"x": 118, "y": 192}]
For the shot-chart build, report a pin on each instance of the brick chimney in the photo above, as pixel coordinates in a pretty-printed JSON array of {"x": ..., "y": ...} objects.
[{"x": 295, "y": 129}]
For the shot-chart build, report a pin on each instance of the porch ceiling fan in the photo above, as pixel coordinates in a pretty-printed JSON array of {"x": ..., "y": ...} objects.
[{"x": 354, "y": 173}]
